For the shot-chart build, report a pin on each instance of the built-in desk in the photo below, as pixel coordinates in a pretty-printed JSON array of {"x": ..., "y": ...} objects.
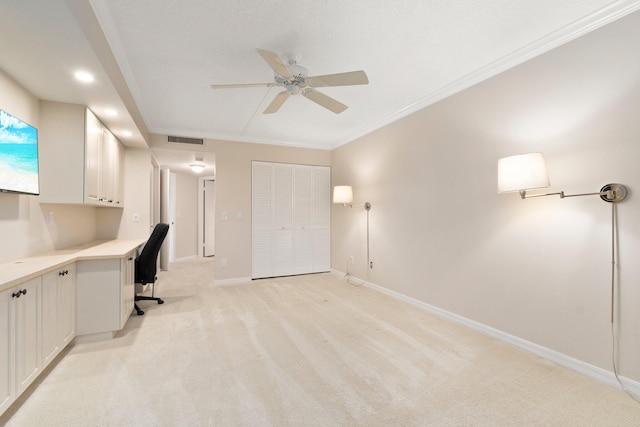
[
  {"x": 48, "y": 299},
  {"x": 24, "y": 269}
]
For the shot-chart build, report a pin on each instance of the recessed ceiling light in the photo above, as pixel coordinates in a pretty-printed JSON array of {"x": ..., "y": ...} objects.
[
  {"x": 111, "y": 112},
  {"x": 84, "y": 76},
  {"x": 197, "y": 168},
  {"x": 126, "y": 133}
]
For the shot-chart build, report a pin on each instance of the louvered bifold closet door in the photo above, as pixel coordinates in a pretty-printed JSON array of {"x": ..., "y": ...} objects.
[
  {"x": 262, "y": 205},
  {"x": 303, "y": 227},
  {"x": 290, "y": 219},
  {"x": 282, "y": 237}
]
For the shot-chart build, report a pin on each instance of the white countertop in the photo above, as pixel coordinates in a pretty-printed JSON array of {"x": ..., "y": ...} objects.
[{"x": 25, "y": 269}]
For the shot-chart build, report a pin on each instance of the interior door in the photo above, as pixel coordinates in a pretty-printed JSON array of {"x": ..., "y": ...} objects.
[{"x": 209, "y": 218}]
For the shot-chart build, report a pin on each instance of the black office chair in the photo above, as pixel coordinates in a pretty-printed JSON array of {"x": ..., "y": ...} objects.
[{"x": 147, "y": 263}]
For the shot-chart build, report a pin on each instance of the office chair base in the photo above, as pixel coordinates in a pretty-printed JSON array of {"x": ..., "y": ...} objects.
[
  {"x": 139, "y": 298},
  {"x": 138, "y": 311}
]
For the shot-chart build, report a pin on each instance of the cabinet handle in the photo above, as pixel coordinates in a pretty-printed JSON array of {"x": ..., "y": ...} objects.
[
  {"x": 20, "y": 292},
  {"x": 130, "y": 258}
]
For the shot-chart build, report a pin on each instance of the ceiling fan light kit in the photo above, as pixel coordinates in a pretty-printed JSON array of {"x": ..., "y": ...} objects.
[{"x": 296, "y": 81}]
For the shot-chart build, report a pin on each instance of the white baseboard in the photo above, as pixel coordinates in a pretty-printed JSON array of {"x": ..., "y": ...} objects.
[
  {"x": 599, "y": 374},
  {"x": 233, "y": 281}
]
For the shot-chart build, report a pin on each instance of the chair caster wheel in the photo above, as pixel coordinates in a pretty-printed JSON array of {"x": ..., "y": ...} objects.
[
  {"x": 139, "y": 312},
  {"x": 160, "y": 301}
]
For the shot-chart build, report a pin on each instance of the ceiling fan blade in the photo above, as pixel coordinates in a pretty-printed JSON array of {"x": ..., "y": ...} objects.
[
  {"x": 325, "y": 101},
  {"x": 275, "y": 62},
  {"x": 340, "y": 79},
  {"x": 240, "y": 85},
  {"x": 277, "y": 102}
]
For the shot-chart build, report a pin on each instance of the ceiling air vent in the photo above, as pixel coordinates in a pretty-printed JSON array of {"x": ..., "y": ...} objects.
[{"x": 183, "y": 140}]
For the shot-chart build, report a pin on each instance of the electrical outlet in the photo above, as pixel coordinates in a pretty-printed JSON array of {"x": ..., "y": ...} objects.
[
  {"x": 50, "y": 217},
  {"x": 223, "y": 263},
  {"x": 225, "y": 216},
  {"x": 370, "y": 264},
  {"x": 351, "y": 261}
]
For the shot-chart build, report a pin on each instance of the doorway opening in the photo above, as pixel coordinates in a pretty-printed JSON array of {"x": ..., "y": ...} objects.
[{"x": 206, "y": 216}]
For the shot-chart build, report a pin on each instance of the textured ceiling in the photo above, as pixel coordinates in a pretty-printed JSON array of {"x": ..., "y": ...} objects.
[
  {"x": 154, "y": 60},
  {"x": 413, "y": 51}
]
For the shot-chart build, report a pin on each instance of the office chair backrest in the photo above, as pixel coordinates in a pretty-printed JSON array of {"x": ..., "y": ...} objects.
[{"x": 147, "y": 261}]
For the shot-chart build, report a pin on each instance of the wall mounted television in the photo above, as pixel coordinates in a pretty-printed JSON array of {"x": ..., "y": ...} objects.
[{"x": 18, "y": 156}]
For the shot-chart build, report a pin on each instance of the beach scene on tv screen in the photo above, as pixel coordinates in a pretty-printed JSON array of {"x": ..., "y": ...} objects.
[{"x": 18, "y": 155}]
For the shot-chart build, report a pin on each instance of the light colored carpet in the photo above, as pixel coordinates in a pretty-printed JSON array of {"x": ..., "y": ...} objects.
[{"x": 306, "y": 351}]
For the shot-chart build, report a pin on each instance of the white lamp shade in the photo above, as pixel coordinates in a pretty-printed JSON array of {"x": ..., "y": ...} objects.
[
  {"x": 342, "y": 194},
  {"x": 522, "y": 172}
]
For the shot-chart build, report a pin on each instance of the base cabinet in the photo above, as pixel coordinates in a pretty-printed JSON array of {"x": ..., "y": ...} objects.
[
  {"x": 105, "y": 294},
  {"x": 20, "y": 333}
]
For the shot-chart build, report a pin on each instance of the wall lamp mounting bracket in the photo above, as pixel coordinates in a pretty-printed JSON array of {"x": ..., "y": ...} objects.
[{"x": 610, "y": 193}]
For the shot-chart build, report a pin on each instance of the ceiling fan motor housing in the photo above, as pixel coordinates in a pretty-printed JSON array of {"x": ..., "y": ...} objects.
[{"x": 295, "y": 84}]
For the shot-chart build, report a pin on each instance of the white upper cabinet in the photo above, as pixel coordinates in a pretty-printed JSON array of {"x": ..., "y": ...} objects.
[{"x": 81, "y": 161}]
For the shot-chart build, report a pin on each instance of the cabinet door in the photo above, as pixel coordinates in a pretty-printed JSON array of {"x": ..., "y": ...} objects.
[
  {"x": 7, "y": 365},
  {"x": 93, "y": 141},
  {"x": 128, "y": 287},
  {"x": 50, "y": 314},
  {"x": 67, "y": 305},
  {"x": 58, "y": 311},
  {"x": 118, "y": 174},
  {"x": 107, "y": 167},
  {"x": 28, "y": 333}
]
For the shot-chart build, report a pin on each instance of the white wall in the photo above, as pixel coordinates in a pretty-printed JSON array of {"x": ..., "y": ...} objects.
[
  {"x": 23, "y": 225},
  {"x": 233, "y": 193},
  {"x": 538, "y": 269},
  {"x": 186, "y": 223},
  {"x": 138, "y": 175}
]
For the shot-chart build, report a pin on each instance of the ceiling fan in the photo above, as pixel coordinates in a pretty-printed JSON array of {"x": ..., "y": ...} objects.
[{"x": 296, "y": 81}]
